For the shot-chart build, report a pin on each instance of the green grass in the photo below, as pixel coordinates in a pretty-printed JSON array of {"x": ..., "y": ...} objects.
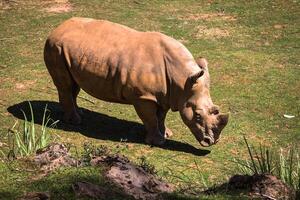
[{"x": 254, "y": 74}]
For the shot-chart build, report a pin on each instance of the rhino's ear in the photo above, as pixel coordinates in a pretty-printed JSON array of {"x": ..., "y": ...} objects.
[
  {"x": 194, "y": 77},
  {"x": 202, "y": 63}
]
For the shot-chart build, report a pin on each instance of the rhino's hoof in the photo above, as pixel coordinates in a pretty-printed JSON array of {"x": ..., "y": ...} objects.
[
  {"x": 80, "y": 111},
  {"x": 156, "y": 141},
  {"x": 73, "y": 119},
  {"x": 168, "y": 133}
]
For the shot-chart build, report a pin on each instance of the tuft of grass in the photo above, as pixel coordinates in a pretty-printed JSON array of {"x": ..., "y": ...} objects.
[
  {"x": 90, "y": 150},
  {"x": 28, "y": 140},
  {"x": 260, "y": 162},
  {"x": 285, "y": 164},
  {"x": 288, "y": 168},
  {"x": 146, "y": 165}
]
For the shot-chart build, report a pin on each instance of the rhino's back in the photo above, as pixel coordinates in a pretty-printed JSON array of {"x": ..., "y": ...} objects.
[{"x": 110, "y": 61}]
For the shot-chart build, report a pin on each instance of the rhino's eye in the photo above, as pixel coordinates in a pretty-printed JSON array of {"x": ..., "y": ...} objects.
[{"x": 198, "y": 115}]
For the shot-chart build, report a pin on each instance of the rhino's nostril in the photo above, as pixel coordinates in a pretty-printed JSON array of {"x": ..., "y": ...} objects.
[
  {"x": 206, "y": 140},
  {"x": 215, "y": 110}
]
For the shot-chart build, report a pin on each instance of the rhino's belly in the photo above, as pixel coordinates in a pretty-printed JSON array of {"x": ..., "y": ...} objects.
[{"x": 98, "y": 85}]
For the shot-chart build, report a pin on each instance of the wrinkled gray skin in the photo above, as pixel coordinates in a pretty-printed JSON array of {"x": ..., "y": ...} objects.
[{"x": 151, "y": 71}]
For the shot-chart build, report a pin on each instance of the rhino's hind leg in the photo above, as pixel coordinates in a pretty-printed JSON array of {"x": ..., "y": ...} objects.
[
  {"x": 147, "y": 110},
  {"x": 67, "y": 88},
  {"x": 70, "y": 112},
  {"x": 75, "y": 92},
  {"x": 161, "y": 115}
]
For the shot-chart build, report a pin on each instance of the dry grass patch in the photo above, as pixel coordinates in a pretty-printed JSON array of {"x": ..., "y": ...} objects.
[
  {"x": 204, "y": 32},
  {"x": 25, "y": 85},
  {"x": 59, "y": 6},
  {"x": 208, "y": 17}
]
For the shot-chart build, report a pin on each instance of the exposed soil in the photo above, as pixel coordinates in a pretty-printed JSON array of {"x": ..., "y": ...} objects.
[
  {"x": 209, "y": 17},
  {"x": 6, "y": 4},
  {"x": 25, "y": 85},
  {"x": 133, "y": 180},
  {"x": 59, "y": 6},
  {"x": 53, "y": 157},
  {"x": 262, "y": 186},
  {"x": 204, "y": 32}
]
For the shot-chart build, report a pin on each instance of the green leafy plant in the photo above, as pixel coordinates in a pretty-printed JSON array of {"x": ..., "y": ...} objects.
[{"x": 28, "y": 140}]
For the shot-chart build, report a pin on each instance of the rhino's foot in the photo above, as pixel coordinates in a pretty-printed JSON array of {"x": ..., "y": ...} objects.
[
  {"x": 73, "y": 118},
  {"x": 168, "y": 133},
  {"x": 156, "y": 139}
]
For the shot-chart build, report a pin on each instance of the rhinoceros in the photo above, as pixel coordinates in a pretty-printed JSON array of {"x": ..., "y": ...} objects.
[{"x": 149, "y": 70}]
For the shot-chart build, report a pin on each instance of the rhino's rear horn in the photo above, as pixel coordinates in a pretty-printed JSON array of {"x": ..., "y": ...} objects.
[{"x": 195, "y": 76}]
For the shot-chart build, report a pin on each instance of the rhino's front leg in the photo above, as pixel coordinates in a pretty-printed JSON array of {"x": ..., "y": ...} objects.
[
  {"x": 161, "y": 115},
  {"x": 147, "y": 111}
]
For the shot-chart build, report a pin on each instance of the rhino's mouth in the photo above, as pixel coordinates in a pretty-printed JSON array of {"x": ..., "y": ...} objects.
[{"x": 207, "y": 141}]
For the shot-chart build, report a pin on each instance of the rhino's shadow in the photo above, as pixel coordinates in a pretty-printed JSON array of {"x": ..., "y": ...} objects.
[{"x": 97, "y": 125}]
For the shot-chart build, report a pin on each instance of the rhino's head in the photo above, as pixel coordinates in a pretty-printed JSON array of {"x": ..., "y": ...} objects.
[{"x": 197, "y": 109}]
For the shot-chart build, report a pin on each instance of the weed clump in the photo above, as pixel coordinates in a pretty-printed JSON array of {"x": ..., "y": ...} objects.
[
  {"x": 91, "y": 151},
  {"x": 147, "y": 166},
  {"x": 285, "y": 165},
  {"x": 27, "y": 140}
]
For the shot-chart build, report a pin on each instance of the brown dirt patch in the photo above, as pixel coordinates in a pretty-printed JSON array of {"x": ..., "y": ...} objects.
[
  {"x": 279, "y": 26},
  {"x": 24, "y": 85},
  {"x": 209, "y": 17},
  {"x": 204, "y": 32},
  {"x": 6, "y": 5},
  {"x": 59, "y": 6}
]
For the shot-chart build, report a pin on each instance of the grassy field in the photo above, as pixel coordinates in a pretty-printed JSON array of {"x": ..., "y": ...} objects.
[{"x": 253, "y": 52}]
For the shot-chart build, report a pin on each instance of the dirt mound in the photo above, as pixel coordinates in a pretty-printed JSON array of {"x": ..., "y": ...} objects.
[
  {"x": 53, "y": 157},
  {"x": 262, "y": 186},
  {"x": 133, "y": 180},
  {"x": 258, "y": 186}
]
